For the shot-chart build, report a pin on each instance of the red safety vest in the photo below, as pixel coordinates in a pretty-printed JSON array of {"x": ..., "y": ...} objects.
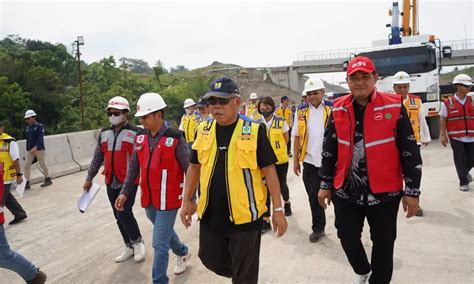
[
  {"x": 117, "y": 150},
  {"x": 2, "y": 216},
  {"x": 161, "y": 174},
  {"x": 383, "y": 158},
  {"x": 460, "y": 117}
]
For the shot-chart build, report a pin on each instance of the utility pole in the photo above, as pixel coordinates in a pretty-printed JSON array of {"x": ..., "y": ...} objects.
[{"x": 80, "y": 41}]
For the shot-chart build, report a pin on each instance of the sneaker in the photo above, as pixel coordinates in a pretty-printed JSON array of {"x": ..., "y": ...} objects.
[
  {"x": 127, "y": 253},
  {"x": 469, "y": 177},
  {"x": 361, "y": 279},
  {"x": 40, "y": 278},
  {"x": 266, "y": 226},
  {"x": 27, "y": 186},
  {"x": 288, "y": 209},
  {"x": 47, "y": 181},
  {"x": 181, "y": 264},
  {"x": 464, "y": 187},
  {"x": 419, "y": 212},
  {"x": 17, "y": 220},
  {"x": 139, "y": 251},
  {"x": 315, "y": 236}
]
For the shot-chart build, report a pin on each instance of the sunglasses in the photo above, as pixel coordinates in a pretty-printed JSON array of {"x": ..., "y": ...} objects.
[
  {"x": 221, "y": 101},
  {"x": 114, "y": 113}
]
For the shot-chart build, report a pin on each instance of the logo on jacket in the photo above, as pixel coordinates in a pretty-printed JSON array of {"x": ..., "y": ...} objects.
[
  {"x": 140, "y": 138},
  {"x": 388, "y": 115},
  {"x": 169, "y": 142},
  {"x": 378, "y": 116}
]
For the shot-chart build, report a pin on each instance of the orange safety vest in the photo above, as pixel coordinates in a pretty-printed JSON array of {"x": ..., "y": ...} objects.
[
  {"x": 460, "y": 117},
  {"x": 380, "y": 122}
]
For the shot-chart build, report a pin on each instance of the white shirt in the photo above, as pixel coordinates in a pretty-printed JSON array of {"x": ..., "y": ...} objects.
[
  {"x": 315, "y": 131},
  {"x": 268, "y": 124},
  {"x": 425, "y": 136},
  {"x": 14, "y": 154},
  {"x": 444, "y": 113}
]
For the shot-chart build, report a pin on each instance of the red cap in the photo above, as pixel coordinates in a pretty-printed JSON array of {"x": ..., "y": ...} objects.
[{"x": 360, "y": 63}]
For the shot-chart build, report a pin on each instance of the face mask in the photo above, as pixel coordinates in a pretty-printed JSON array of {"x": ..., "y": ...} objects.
[
  {"x": 115, "y": 120},
  {"x": 189, "y": 111},
  {"x": 267, "y": 113}
]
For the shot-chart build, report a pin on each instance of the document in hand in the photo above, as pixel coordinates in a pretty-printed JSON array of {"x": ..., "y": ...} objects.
[
  {"x": 20, "y": 188},
  {"x": 86, "y": 198}
]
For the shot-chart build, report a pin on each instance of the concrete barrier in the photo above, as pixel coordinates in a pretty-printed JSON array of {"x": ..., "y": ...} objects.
[{"x": 82, "y": 146}]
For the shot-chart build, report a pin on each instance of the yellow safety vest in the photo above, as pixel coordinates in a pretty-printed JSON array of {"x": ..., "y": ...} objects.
[
  {"x": 413, "y": 106},
  {"x": 286, "y": 114},
  {"x": 303, "y": 116},
  {"x": 252, "y": 112},
  {"x": 245, "y": 189},
  {"x": 275, "y": 135},
  {"x": 190, "y": 123},
  {"x": 9, "y": 172}
]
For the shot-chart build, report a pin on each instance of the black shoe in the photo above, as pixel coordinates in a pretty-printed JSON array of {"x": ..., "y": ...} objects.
[
  {"x": 27, "y": 186},
  {"x": 40, "y": 278},
  {"x": 47, "y": 181},
  {"x": 315, "y": 236},
  {"x": 288, "y": 209},
  {"x": 266, "y": 226},
  {"x": 17, "y": 220}
]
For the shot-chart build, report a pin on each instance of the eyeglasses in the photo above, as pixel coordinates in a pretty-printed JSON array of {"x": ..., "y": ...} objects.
[
  {"x": 222, "y": 101},
  {"x": 114, "y": 113}
]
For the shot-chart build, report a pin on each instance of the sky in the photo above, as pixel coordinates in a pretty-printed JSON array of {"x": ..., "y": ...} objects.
[{"x": 247, "y": 33}]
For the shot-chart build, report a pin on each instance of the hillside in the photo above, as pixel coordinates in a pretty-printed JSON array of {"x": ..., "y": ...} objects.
[{"x": 447, "y": 78}]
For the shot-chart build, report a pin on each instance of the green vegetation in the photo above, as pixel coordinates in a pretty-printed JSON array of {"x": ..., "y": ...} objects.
[{"x": 43, "y": 76}]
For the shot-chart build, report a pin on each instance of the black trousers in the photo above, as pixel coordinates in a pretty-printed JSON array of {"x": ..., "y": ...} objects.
[
  {"x": 463, "y": 154},
  {"x": 282, "y": 172},
  {"x": 126, "y": 221},
  {"x": 233, "y": 255},
  {"x": 288, "y": 145},
  {"x": 312, "y": 182},
  {"x": 382, "y": 221},
  {"x": 11, "y": 203}
]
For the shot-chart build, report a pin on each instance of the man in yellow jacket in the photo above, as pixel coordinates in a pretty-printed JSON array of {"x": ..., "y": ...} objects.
[
  {"x": 284, "y": 111},
  {"x": 230, "y": 158}
]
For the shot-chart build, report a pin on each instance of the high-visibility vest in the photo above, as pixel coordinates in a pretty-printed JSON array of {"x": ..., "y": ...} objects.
[
  {"x": 460, "y": 117},
  {"x": 190, "y": 123},
  {"x": 287, "y": 114},
  {"x": 161, "y": 175},
  {"x": 380, "y": 123},
  {"x": 413, "y": 106},
  {"x": 277, "y": 140},
  {"x": 2, "y": 216},
  {"x": 303, "y": 116},
  {"x": 245, "y": 190},
  {"x": 252, "y": 112},
  {"x": 9, "y": 171},
  {"x": 117, "y": 149}
]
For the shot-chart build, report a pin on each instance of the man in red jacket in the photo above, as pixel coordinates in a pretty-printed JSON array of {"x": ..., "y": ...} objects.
[{"x": 368, "y": 152}]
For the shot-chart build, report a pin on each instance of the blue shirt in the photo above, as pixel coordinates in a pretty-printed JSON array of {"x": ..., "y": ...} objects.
[{"x": 35, "y": 136}]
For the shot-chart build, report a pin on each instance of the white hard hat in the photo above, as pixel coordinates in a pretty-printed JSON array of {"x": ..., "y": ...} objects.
[
  {"x": 313, "y": 84},
  {"x": 303, "y": 94},
  {"x": 330, "y": 94},
  {"x": 188, "y": 103},
  {"x": 401, "y": 77},
  {"x": 30, "y": 113},
  {"x": 118, "y": 103},
  {"x": 253, "y": 96},
  {"x": 462, "y": 79},
  {"x": 148, "y": 103}
]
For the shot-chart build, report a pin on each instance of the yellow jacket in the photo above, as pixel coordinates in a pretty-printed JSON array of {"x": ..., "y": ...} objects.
[
  {"x": 9, "y": 172},
  {"x": 275, "y": 135},
  {"x": 413, "y": 106},
  {"x": 252, "y": 112},
  {"x": 190, "y": 123},
  {"x": 287, "y": 114},
  {"x": 246, "y": 193}
]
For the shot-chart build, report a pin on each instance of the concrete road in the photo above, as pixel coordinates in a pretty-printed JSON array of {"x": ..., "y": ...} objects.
[{"x": 80, "y": 248}]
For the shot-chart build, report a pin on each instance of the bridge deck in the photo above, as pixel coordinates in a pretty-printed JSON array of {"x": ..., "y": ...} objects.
[{"x": 80, "y": 248}]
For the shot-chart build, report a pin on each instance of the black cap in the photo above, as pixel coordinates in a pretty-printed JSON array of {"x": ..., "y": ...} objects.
[
  {"x": 284, "y": 98},
  {"x": 223, "y": 87},
  {"x": 202, "y": 102}
]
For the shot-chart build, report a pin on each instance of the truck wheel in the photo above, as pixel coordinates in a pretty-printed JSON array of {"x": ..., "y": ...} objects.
[{"x": 433, "y": 125}]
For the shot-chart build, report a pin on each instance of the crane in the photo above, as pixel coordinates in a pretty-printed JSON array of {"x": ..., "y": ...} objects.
[{"x": 410, "y": 11}]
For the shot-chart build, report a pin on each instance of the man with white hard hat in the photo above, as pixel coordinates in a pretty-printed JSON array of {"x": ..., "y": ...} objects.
[
  {"x": 189, "y": 121},
  {"x": 457, "y": 124},
  {"x": 251, "y": 108},
  {"x": 413, "y": 106},
  {"x": 35, "y": 148},
  {"x": 114, "y": 148},
  {"x": 160, "y": 157},
  {"x": 308, "y": 134}
]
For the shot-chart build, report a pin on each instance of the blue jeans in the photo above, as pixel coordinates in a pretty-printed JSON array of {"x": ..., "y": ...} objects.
[
  {"x": 164, "y": 238},
  {"x": 14, "y": 261}
]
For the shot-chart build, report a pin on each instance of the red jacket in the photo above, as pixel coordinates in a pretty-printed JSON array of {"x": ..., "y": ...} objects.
[
  {"x": 383, "y": 158},
  {"x": 460, "y": 117},
  {"x": 161, "y": 174},
  {"x": 117, "y": 151}
]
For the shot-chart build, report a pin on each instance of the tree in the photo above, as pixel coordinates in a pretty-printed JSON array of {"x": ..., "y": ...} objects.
[{"x": 14, "y": 103}]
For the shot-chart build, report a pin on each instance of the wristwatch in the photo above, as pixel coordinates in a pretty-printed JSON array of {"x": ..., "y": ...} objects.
[
  {"x": 278, "y": 209},
  {"x": 19, "y": 174}
]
